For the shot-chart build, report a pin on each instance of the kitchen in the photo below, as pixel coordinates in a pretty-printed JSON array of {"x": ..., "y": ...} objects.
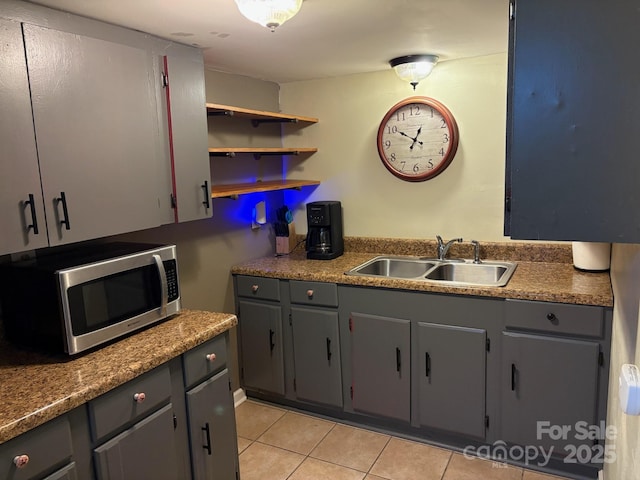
[{"x": 465, "y": 201}]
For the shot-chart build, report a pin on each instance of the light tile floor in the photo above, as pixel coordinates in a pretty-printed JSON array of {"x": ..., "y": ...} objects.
[{"x": 278, "y": 444}]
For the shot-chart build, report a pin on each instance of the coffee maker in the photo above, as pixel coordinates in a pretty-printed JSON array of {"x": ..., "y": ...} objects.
[{"x": 324, "y": 230}]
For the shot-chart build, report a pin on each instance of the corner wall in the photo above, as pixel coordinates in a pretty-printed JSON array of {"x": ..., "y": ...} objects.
[{"x": 625, "y": 348}]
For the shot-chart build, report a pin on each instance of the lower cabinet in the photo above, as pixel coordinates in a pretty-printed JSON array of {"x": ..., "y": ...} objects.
[
  {"x": 380, "y": 365},
  {"x": 146, "y": 450},
  {"x": 452, "y": 378},
  {"x": 504, "y": 375},
  {"x": 316, "y": 349}
]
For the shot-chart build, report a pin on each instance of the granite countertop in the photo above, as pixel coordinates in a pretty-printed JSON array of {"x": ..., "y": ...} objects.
[
  {"x": 545, "y": 272},
  {"x": 37, "y": 388}
]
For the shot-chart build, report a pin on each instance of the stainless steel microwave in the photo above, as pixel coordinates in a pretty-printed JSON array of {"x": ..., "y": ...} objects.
[{"x": 76, "y": 300}]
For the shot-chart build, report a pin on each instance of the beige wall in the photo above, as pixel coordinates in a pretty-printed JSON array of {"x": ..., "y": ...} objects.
[
  {"x": 625, "y": 277},
  {"x": 465, "y": 200}
]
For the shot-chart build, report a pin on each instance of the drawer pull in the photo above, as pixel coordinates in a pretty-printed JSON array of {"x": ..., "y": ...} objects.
[
  {"x": 139, "y": 397},
  {"x": 254, "y": 288},
  {"x": 513, "y": 377},
  {"x": 552, "y": 317},
  {"x": 310, "y": 293},
  {"x": 20, "y": 461},
  {"x": 211, "y": 357}
]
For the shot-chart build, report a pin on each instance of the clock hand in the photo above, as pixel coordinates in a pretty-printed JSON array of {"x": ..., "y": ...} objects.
[{"x": 415, "y": 139}]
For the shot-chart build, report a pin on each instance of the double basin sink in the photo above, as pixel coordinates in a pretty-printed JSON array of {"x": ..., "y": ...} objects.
[{"x": 450, "y": 272}]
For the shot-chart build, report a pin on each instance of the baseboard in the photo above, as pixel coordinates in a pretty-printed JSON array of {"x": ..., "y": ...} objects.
[{"x": 238, "y": 397}]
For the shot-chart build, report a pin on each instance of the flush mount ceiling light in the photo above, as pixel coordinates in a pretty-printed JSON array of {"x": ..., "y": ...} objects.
[
  {"x": 413, "y": 68},
  {"x": 269, "y": 13}
]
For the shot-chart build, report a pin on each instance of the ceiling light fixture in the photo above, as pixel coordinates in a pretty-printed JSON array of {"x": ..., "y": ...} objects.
[
  {"x": 269, "y": 13},
  {"x": 413, "y": 68}
]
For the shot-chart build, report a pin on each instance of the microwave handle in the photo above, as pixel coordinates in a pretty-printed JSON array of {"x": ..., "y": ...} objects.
[{"x": 164, "y": 289}]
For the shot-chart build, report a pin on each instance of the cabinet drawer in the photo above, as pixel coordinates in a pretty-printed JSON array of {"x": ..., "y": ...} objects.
[
  {"x": 48, "y": 447},
  {"x": 119, "y": 407},
  {"x": 555, "y": 317},
  {"x": 314, "y": 293},
  {"x": 205, "y": 359},
  {"x": 258, "y": 287}
]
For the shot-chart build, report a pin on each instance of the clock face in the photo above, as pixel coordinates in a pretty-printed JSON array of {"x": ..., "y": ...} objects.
[{"x": 417, "y": 139}]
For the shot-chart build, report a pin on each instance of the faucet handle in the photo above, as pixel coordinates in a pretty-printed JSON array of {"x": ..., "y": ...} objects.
[{"x": 476, "y": 251}]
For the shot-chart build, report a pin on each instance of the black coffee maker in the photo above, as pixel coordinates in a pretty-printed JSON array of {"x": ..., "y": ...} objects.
[{"x": 324, "y": 230}]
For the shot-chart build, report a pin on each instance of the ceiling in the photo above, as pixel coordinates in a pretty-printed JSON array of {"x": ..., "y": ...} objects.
[{"x": 326, "y": 38}]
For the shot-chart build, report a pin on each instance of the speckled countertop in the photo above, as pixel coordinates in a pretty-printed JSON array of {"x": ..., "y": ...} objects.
[
  {"x": 36, "y": 388},
  {"x": 545, "y": 271}
]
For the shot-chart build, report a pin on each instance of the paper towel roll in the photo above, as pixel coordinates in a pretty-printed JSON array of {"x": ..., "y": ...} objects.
[{"x": 591, "y": 256}]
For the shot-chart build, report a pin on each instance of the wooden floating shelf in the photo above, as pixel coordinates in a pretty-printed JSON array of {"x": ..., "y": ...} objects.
[
  {"x": 233, "y": 190},
  {"x": 232, "y": 151},
  {"x": 257, "y": 116}
]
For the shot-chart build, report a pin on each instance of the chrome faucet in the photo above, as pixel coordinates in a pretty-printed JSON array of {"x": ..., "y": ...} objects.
[
  {"x": 443, "y": 248},
  {"x": 476, "y": 251}
]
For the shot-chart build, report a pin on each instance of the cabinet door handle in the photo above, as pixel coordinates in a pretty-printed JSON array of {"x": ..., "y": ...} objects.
[
  {"x": 271, "y": 344},
  {"x": 207, "y": 194},
  {"x": 513, "y": 377},
  {"x": 65, "y": 213},
  {"x": 328, "y": 349},
  {"x": 34, "y": 220},
  {"x": 207, "y": 433},
  {"x": 427, "y": 364},
  {"x": 398, "y": 360}
]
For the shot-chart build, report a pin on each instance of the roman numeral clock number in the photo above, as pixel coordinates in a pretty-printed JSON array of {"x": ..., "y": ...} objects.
[{"x": 417, "y": 139}]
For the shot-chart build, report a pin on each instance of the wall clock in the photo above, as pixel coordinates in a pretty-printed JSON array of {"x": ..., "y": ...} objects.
[{"x": 417, "y": 139}]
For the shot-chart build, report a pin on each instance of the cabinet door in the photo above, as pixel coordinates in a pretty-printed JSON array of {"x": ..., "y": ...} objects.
[
  {"x": 452, "y": 378},
  {"x": 187, "y": 117},
  {"x": 21, "y": 209},
  {"x": 316, "y": 347},
  {"x": 146, "y": 450},
  {"x": 212, "y": 429},
  {"x": 551, "y": 380},
  {"x": 261, "y": 339},
  {"x": 96, "y": 127},
  {"x": 574, "y": 125},
  {"x": 380, "y": 353}
]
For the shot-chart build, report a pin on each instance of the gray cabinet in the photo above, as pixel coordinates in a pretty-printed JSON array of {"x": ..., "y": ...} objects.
[
  {"x": 22, "y": 217},
  {"x": 261, "y": 334},
  {"x": 212, "y": 429},
  {"x": 210, "y": 412},
  {"x": 554, "y": 380},
  {"x": 316, "y": 348},
  {"x": 380, "y": 365},
  {"x": 44, "y": 452},
  {"x": 452, "y": 378},
  {"x": 146, "y": 450},
  {"x": 186, "y": 118},
  {"x": 95, "y": 117},
  {"x": 573, "y": 99}
]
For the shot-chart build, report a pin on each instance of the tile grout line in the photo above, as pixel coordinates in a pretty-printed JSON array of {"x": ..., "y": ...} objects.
[
  {"x": 444, "y": 472},
  {"x": 368, "y": 472}
]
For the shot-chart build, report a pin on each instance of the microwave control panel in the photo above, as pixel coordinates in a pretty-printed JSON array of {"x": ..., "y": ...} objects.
[{"x": 171, "y": 269}]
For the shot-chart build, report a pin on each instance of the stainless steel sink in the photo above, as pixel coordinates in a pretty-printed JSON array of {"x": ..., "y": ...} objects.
[
  {"x": 451, "y": 272},
  {"x": 396, "y": 267},
  {"x": 495, "y": 274}
]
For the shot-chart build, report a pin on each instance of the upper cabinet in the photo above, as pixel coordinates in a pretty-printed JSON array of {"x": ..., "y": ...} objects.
[
  {"x": 22, "y": 214},
  {"x": 572, "y": 133},
  {"x": 186, "y": 119},
  {"x": 104, "y": 130},
  {"x": 257, "y": 118},
  {"x": 95, "y": 121}
]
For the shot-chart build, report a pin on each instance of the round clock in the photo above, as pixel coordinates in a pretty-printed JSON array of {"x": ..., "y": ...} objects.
[{"x": 417, "y": 139}]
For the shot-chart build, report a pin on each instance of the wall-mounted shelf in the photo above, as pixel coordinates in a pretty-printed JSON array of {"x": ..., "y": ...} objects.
[
  {"x": 258, "y": 152},
  {"x": 233, "y": 190},
  {"x": 256, "y": 116}
]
